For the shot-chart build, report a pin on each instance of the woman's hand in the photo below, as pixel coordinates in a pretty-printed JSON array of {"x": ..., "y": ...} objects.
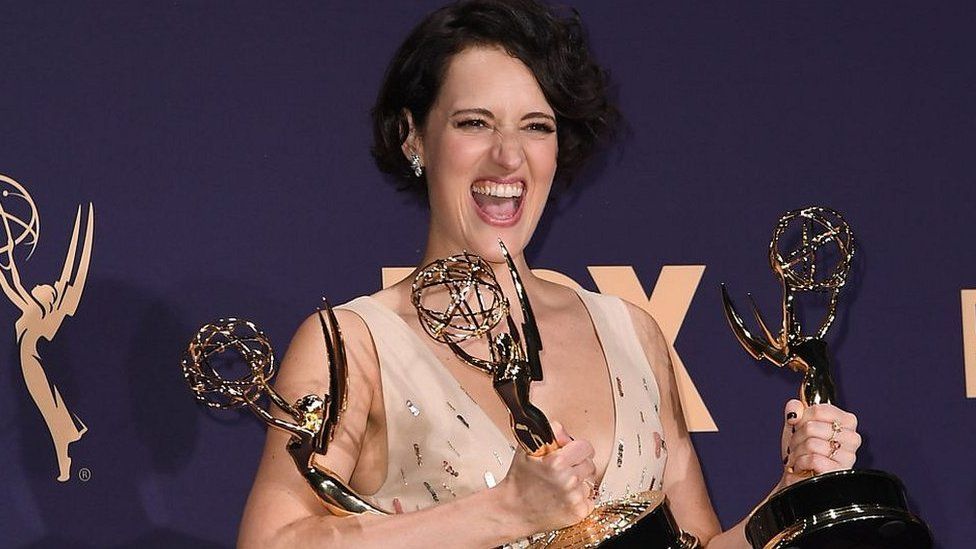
[
  {"x": 818, "y": 439},
  {"x": 553, "y": 491}
]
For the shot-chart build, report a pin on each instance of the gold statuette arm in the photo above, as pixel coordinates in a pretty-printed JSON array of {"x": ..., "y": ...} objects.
[{"x": 511, "y": 380}]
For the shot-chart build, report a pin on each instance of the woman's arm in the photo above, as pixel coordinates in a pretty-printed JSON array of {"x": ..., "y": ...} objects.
[
  {"x": 806, "y": 447},
  {"x": 683, "y": 480},
  {"x": 282, "y": 511}
]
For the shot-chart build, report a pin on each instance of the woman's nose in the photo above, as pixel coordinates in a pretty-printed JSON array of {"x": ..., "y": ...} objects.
[{"x": 508, "y": 151}]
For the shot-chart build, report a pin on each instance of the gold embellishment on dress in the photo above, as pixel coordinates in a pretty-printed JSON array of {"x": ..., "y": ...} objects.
[
  {"x": 642, "y": 416},
  {"x": 451, "y": 406},
  {"x": 643, "y": 475},
  {"x": 420, "y": 457},
  {"x": 620, "y": 387},
  {"x": 620, "y": 453},
  {"x": 464, "y": 421},
  {"x": 639, "y": 449},
  {"x": 644, "y": 380},
  {"x": 453, "y": 449},
  {"x": 653, "y": 480},
  {"x": 449, "y": 489},
  {"x": 656, "y": 411},
  {"x": 403, "y": 477},
  {"x": 449, "y": 469},
  {"x": 413, "y": 408},
  {"x": 498, "y": 458},
  {"x": 430, "y": 489},
  {"x": 490, "y": 479},
  {"x": 658, "y": 444}
]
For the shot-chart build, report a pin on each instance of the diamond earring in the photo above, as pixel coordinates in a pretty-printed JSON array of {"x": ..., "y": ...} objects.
[{"x": 418, "y": 168}]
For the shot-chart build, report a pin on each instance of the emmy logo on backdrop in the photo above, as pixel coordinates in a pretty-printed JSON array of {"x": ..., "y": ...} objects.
[{"x": 43, "y": 308}]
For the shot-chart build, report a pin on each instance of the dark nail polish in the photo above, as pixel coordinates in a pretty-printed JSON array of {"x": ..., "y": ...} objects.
[
  {"x": 793, "y": 429},
  {"x": 786, "y": 458},
  {"x": 791, "y": 415}
]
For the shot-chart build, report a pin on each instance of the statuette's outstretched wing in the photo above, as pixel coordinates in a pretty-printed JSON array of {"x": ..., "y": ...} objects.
[{"x": 71, "y": 283}]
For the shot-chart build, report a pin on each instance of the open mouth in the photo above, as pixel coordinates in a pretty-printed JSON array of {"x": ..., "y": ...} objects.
[{"x": 499, "y": 202}]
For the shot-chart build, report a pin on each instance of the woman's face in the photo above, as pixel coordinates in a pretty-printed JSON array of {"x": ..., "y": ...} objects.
[{"x": 489, "y": 149}]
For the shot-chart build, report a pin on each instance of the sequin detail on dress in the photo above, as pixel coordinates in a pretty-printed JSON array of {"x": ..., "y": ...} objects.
[
  {"x": 453, "y": 449},
  {"x": 413, "y": 408},
  {"x": 430, "y": 489},
  {"x": 449, "y": 469}
]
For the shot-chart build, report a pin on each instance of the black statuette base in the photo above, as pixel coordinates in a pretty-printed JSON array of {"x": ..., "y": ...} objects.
[{"x": 850, "y": 509}]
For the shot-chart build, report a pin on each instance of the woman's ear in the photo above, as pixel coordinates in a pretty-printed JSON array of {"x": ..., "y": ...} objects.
[{"x": 413, "y": 144}]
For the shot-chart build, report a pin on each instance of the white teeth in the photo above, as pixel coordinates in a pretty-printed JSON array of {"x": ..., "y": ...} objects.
[{"x": 499, "y": 190}]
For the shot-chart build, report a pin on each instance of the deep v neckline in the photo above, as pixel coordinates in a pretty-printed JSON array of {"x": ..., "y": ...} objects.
[{"x": 445, "y": 374}]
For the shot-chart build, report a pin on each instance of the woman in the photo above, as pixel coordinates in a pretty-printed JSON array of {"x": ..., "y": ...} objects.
[{"x": 483, "y": 107}]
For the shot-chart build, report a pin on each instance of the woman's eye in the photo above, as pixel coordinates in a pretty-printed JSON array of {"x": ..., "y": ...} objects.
[
  {"x": 541, "y": 127},
  {"x": 471, "y": 123}
]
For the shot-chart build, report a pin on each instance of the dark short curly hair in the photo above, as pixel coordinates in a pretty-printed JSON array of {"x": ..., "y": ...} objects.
[{"x": 552, "y": 45}]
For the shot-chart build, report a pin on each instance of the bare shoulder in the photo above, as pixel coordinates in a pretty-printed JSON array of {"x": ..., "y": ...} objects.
[
  {"x": 648, "y": 331},
  {"x": 305, "y": 366}
]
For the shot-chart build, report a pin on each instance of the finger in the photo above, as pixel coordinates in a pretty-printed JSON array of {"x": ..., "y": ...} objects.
[
  {"x": 818, "y": 430},
  {"x": 562, "y": 437},
  {"x": 828, "y": 413},
  {"x": 811, "y": 430},
  {"x": 845, "y": 458},
  {"x": 817, "y": 463},
  {"x": 585, "y": 470},
  {"x": 571, "y": 454},
  {"x": 792, "y": 413},
  {"x": 847, "y": 442}
]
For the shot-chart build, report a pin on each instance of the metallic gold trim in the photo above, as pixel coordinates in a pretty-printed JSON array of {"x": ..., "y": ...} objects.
[
  {"x": 608, "y": 520},
  {"x": 832, "y": 518}
]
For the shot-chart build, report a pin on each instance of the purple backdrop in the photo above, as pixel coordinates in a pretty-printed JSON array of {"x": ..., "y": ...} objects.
[{"x": 225, "y": 148}]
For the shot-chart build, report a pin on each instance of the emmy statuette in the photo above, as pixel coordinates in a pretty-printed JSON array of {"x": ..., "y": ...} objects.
[
  {"x": 843, "y": 509},
  {"x": 313, "y": 417},
  {"x": 458, "y": 299}
]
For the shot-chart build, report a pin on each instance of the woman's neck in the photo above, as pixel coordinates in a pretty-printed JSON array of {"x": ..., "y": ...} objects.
[{"x": 530, "y": 282}]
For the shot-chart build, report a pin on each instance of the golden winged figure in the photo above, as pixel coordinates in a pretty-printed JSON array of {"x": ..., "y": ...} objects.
[{"x": 43, "y": 309}]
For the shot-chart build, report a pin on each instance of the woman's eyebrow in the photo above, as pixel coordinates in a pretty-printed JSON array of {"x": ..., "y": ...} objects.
[
  {"x": 483, "y": 112},
  {"x": 539, "y": 115},
  {"x": 488, "y": 114}
]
